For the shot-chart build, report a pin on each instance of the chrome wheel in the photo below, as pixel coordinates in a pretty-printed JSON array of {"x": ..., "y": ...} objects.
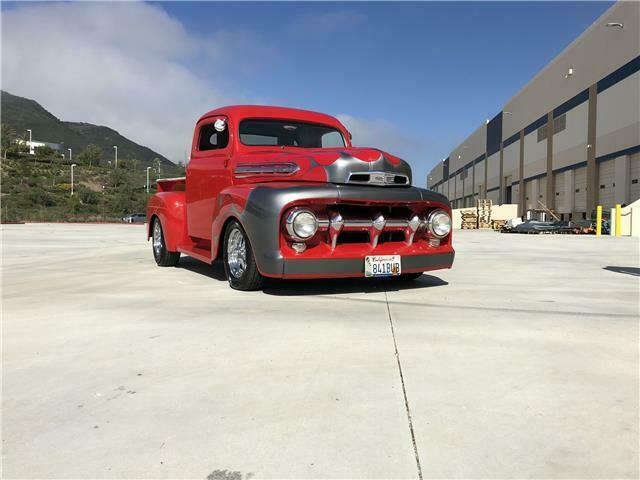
[
  {"x": 157, "y": 238},
  {"x": 236, "y": 253}
]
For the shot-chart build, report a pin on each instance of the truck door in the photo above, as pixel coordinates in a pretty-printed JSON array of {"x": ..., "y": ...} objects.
[{"x": 207, "y": 173}]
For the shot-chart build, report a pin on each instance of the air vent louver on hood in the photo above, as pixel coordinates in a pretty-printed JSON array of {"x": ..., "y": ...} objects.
[{"x": 378, "y": 178}]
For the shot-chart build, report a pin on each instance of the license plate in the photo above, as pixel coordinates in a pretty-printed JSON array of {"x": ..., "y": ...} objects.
[{"x": 381, "y": 265}]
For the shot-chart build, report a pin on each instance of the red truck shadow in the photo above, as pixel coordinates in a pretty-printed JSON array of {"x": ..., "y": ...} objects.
[{"x": 317, "y": 286}]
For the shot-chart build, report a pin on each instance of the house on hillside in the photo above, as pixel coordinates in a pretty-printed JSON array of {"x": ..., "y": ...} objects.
[{"x": 58, "y": 147}]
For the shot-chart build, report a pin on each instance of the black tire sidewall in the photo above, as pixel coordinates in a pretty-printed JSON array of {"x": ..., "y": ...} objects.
[
  {"x": 165, "y": 258},
  {"x": 250, "y": 278},
  {"x": 163, "y": 249}
]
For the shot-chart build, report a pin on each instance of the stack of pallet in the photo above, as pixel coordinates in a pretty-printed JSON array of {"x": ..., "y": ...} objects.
[
  {"x": 484, "y": 213},
  {"x": 469, "y": 220},
  {"x": 498, "y": 224}
]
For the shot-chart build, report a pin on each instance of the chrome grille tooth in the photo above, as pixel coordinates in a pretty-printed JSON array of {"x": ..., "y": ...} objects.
[
  {"x": 377, "y": 226},
  {"x": 336, "y": 224}
]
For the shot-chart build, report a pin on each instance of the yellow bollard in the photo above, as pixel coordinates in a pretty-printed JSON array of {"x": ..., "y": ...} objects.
[
  {"x": 599, "y": 220},
  {"x": 618, "y": 219}
]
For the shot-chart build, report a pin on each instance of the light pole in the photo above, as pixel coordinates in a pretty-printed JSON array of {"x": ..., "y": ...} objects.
[
  {"x": 148, "y": 168},
  {"x": 72, "y": 165},
  {"x": 70, "y": 155},
  {"x": 30, "y": 142},
  {"x": 115, "y": 147}
]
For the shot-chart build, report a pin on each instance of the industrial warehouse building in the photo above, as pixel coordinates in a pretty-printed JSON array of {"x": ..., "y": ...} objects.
[{"x": 570, "y": 139}]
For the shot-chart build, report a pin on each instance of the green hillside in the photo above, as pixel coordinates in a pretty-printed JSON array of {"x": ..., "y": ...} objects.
[
  {"x": 22, "y": 113},
  {"x": 41, "y": 191}
]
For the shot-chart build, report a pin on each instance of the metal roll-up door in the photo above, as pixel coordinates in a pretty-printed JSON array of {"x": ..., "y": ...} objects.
[
  {"x": 606, "y": 184},
  {"x": 542, "y": 192},
  {"x": 529, "y": 201},
  {"x": 634, "y": 177},
  {"x": 560, "y": 193},
  {"x": 580, "y": 190}
]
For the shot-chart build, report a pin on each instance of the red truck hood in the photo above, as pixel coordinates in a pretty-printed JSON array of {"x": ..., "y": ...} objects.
[{"x": 334, "y": 165}]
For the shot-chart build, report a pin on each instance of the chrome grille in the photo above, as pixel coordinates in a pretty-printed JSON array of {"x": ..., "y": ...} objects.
[{"x": 375, "y": 229}]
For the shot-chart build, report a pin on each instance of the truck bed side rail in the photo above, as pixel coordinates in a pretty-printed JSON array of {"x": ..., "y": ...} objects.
[{"x": 171, "y": 184}]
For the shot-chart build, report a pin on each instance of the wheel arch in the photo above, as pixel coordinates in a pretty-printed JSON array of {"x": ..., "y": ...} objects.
[
  {"x": 223, "y": 232},
  {"x": 169, "y": 208}
]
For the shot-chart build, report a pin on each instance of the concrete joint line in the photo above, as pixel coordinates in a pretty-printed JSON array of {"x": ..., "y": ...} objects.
[{"x": 404, "y": 389}]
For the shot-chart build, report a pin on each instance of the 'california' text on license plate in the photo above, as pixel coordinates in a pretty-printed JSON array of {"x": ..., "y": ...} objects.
[{"x": 381, "y": 265}]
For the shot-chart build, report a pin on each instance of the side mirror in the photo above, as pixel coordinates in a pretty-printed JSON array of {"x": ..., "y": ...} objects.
[{"x": 350, "y": 136}]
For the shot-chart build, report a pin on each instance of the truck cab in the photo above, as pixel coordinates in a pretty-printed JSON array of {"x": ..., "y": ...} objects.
[{"x": 281, "y": 192}]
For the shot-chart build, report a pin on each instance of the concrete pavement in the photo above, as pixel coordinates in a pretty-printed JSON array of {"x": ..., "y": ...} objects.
[{"x": 521, "y": 361}]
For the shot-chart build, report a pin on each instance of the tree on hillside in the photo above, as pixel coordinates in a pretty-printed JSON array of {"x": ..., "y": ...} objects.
[
  {"x": 44, "y": 153},
  {"x": 117, "y": 177},
  {"x": 8, "y": 135},
  {"x": 90, "y": 155}
]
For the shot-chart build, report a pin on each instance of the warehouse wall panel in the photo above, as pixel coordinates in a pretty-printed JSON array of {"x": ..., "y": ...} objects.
[
  {"x": 570, "y": 144},
  {"x": 459, "y": 185},
  {"x": 493, "y": 171},
  {"x": 468, "y": 181},
  {"x": 535, "y": 155},
  {"x": 472, "y": 147},
  {"x": 618, "y": 119},
  {"x": 435, "y": 175},
  {"x": 479, "y": 185},
  {"x": 511, "y": 160}
]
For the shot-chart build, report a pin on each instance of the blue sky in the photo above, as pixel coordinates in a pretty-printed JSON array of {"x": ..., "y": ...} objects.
[{"x": 414, "y": 78}]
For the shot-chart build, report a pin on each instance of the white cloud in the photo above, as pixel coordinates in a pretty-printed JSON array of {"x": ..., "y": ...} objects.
[{"x": 123, "y": 65}]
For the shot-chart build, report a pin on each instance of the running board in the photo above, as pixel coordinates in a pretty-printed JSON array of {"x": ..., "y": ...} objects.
[{"x": 201, "y": 254}]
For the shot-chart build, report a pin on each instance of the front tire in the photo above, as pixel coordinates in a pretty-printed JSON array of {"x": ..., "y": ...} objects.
[
  {"x": 239, "y": 261},
  {"x": 163, "y": 257}
]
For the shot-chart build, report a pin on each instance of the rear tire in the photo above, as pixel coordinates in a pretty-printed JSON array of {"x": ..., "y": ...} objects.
[
  {"x": 239, "y": 261},
  {"x": 163, "y": 257}
]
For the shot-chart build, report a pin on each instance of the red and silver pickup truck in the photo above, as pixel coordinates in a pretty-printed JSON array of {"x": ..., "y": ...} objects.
[{"x": 281, "y": 192}]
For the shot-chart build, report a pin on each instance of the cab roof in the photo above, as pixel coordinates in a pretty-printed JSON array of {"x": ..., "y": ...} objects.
[{"x": 237, "y": 113}]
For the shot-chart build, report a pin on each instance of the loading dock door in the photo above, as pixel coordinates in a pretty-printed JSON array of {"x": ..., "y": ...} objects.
[
  {"x": 542, "y": 192},
  {"x": 508, "y": 191},
  {"x": 529, "y": 201},
  {"x": 580, "y": 190},
  {"x": 561, "y": 204},
  {"x": 606, "y": 183},
  {"x": 634, "y": 177}
]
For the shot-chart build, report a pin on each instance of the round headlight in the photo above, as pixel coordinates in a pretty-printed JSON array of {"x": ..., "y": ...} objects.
[
  {"x": 439, "y": 223},
  {"x": 302, "y": 224}
]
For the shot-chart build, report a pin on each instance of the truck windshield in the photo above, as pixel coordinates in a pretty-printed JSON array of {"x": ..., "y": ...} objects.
[{"x": 289, "y": 133}]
